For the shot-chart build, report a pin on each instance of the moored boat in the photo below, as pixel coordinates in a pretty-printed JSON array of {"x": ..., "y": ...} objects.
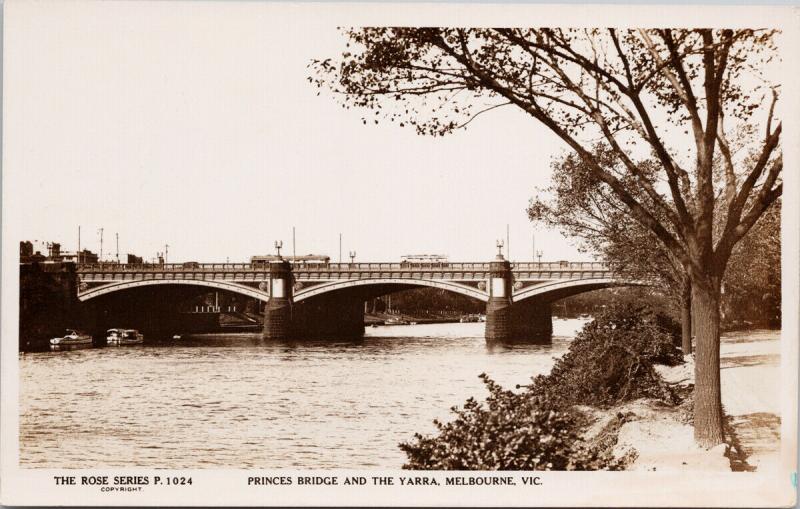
[
  {"x": 72, "y": 341},
  {"x": 123, "y": 337}
]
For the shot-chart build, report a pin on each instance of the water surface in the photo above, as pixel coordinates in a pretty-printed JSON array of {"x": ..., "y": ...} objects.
[{"x": 238, "y": 401}]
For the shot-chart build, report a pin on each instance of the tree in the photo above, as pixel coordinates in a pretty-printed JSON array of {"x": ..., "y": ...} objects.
[
  {"x": 671, "y": 95},
  {"x": 583, "y": 207},
  {"x": 753, "y": 278}
]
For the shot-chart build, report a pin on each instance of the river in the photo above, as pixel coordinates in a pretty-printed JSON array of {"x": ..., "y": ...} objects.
[{"x": 237, "y": 401}]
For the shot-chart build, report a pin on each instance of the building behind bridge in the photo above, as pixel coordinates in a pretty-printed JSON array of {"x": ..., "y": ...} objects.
[{"x": 55, "y": 254}]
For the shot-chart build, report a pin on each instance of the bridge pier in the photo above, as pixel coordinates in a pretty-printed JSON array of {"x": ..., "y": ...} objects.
[
  {"x": 278, "y": 311},
  {"x": 506, "y": 321},
  {"x": 498, "y": 308}
]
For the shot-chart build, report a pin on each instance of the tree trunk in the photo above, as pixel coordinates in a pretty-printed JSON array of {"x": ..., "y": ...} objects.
[
  {"x": 708, "y": 430},
  {"x": 686, "y": 318}
]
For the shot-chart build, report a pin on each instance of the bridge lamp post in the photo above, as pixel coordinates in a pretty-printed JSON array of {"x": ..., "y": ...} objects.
[
  {"x": 100, "y": 258},
  {"x": 539, "y": 255},
  {"x": 278, "y": 246},
  {"x": 352, "y": 256},
  {"x": 500, "y": 249}
]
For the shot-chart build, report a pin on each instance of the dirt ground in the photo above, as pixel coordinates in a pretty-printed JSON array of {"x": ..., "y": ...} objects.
[{"x": 660, "y": 439}]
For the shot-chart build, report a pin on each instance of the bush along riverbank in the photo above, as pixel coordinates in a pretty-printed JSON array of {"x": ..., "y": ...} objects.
[{"x": 572, "y": 418}]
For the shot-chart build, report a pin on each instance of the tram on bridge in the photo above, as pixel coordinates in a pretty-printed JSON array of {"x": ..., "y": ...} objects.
[
  {"x": 424, "y": 260},
  {"x": 262, "y": 261}
]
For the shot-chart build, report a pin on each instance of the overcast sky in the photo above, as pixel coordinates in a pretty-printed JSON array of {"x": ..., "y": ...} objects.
[{"x": 193, "y": 124}]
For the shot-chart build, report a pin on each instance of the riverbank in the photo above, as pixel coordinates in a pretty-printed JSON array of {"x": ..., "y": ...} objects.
[
  {"x": 655, "y": 437},
  {"x": 401, "y": 319}
]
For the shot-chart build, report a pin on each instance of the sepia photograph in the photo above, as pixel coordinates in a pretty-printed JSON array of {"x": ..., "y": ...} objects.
[{"x": 249, "y": 246}]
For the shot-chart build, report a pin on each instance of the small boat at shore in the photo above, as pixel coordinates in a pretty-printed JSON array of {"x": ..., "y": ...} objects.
[
  {"x": 72, "y": 341},
  {"x": 470, "y": 318},
  {"x": 124, "y": 337},
  {"x": 395, "y": 321}
]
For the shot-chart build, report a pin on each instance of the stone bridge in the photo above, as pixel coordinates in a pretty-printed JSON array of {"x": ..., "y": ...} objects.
[{"x": 327, "y": 298}]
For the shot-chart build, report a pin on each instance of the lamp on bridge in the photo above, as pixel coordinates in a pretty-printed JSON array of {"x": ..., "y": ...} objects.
[
  {"x": 539, "y": 254},
  {"x": 352, "y": 256},
  {"x": 500, "y": 249},
  {"x": 278, "y": 246}
]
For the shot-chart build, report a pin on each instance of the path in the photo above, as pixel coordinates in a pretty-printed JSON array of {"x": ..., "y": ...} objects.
[{"x": 750, "y": 377}]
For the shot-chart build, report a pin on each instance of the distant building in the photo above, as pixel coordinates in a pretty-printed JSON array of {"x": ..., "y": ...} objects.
[
  {"x": 25, "y": 250},
  {"x": 27, "y": 255},
  {"x": 54, "y": 251},
  {"x": 84, "y": 256},
  {"x": 54, "y": 254}
]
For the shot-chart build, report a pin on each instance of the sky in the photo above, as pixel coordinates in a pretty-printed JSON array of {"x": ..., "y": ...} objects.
[{"x": 194, "y": 125}]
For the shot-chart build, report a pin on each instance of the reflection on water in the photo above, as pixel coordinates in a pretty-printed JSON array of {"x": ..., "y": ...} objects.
[{"x": 216, "y": 401}]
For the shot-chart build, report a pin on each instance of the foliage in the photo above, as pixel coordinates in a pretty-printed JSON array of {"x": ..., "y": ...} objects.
[
  {"x": 610, "y": 361},
  {"x": 596, "y": 301},
  {"x": 508, "y": 432},
  {"x": 583, "y": 207},
  {"x": 753, "y": 278}
]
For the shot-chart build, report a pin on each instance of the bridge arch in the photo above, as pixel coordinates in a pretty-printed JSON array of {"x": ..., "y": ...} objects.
[
  {"x": 313, "y": 291},
  {"x": 561, "y": 289},
  {"x": 219, "y": 285}
]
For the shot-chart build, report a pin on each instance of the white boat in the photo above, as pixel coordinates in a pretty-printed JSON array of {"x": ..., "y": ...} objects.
[
  {"x": 123, "y": 337},
  {"x": 72, "y": 341}
]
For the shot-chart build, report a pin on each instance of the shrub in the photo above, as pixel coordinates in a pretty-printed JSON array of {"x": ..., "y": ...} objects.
[
  {"x": 611, "y": 360},
  {"x": 508, "y": 432}
]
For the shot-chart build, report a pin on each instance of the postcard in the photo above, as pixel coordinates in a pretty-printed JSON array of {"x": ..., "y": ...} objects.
[{"x": 399, "y": 254}]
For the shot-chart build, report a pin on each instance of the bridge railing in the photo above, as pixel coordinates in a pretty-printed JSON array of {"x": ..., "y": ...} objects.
[
  {"x": 161, "y": 267},
  {"x": 540, "y": 266},
  {"x": 330, "y": 267},
  {"x": 338, "y": 267}
]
